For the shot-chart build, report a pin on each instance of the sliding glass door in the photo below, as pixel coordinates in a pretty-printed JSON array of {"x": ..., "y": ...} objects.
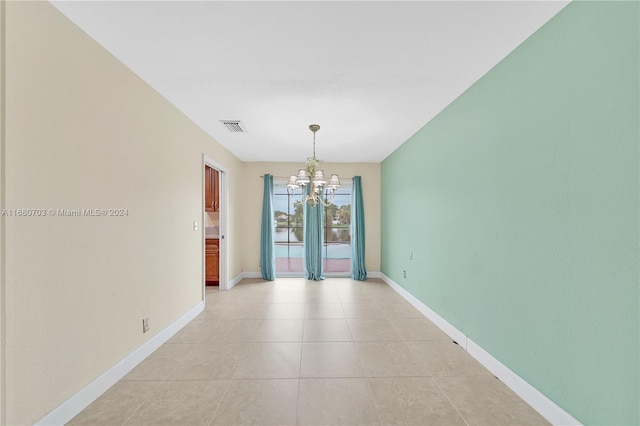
[
  {"x": 337, "y": 236},
  {"x": 289, "y": 218},
  {"x": 289, "y": 230}
]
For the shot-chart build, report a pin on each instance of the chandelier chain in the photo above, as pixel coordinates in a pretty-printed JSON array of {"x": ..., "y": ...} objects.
[{"x": 314, "y": 178}]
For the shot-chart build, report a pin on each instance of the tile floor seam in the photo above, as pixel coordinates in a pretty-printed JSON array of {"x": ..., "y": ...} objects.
[
  {"x": 300, "y": 366},
  {"x": 347, "y": 322},
  {"x": 298, "y": 402},
  {"x": 426, "y": 367},
  {"x": 235, "y": 367},
  {"x": 224, "y": 394},
  {"x": 450, "y": 402},
  {"x": 243, "y": 323},
  {"x": 355, "y": 347},
  {"x": 142, "y": 403},
  {"x": 396, "y": 329},
  {"x": 373, "y": 398}
]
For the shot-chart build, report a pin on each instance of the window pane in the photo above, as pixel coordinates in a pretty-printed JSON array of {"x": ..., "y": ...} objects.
[
  {"x": 337, "y": 235},
  {"x": 288, "y": 214},
  {"x": 288, "y": 237}
]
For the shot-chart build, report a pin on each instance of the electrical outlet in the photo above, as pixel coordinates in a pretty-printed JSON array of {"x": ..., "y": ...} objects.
[
  {"x": 145, "y": 324},
  {"x": 404, "y": 274}
]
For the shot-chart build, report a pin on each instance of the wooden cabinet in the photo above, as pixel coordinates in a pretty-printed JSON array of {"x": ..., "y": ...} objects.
[
  {"x": 215, "y": 183},
  {"x": 208, "y": 194},
  {"x": 211, "y": 190},
  {"x": 212, "y": 204},
  {"x": 212, "y": 261}
]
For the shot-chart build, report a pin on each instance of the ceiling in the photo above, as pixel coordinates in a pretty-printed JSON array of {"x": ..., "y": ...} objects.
[{"x": 369, "y": 73}]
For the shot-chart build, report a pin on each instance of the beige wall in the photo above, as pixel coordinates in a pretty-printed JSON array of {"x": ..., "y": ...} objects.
[
  {"x": 252, "y": 198},
  {"x": 2, "y": 222},
  {"x": 84, "y": 132}
]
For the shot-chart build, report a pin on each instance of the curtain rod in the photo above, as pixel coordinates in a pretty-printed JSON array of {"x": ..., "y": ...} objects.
[{"x": 287, "y": 177}]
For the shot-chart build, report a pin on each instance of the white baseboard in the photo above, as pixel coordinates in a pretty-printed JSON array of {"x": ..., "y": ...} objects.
[
  {"x": 234, "y": 281},
  {"x": 251, "y": 275},
  {"x": 290, "y": 274},
  {"x": 543, "y": 405},
  {"x": 443, "y": 324},
  {"x": 370, "y": 274},
  {"x": 85, "y": 396}
]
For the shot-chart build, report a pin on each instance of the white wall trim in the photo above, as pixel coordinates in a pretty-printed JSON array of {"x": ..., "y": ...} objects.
[
  {"x": 543, "y": 405},
  {"x": 249, "y": 274},
  {"x": 85, "y": 396},
  {"x": 223, "y": 225},
  {"x": 290, "y": 275},
  {"x": 443, "y": 324},
  {"x": 370, "y": 274},
  {"x": 235, "y": 280}
]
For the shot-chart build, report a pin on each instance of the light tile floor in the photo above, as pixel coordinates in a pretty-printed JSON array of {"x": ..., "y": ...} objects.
[
  {"x": 334, "y": 352},
  {"x": 296, "y": 264}
]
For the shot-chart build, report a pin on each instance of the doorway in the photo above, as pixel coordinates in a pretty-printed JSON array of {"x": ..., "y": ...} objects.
[
  {"x": 289, "y": 226},
  {"x": 214, "y": 225}
]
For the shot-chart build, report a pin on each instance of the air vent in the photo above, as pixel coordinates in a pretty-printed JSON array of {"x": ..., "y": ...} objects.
[{"x": 234, "y": 126}]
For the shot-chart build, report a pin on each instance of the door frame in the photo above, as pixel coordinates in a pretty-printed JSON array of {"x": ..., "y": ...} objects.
[{"x": 223, "y": 211}]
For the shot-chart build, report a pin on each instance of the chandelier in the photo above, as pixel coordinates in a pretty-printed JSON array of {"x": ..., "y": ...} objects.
[{"x": 313, "y": 177}]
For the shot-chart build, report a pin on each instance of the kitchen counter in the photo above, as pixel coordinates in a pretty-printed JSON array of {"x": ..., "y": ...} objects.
[{"x": 211, "y": 232}]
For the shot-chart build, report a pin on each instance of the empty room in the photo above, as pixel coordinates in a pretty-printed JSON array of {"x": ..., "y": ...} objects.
[{"x": 320, "y": 212}]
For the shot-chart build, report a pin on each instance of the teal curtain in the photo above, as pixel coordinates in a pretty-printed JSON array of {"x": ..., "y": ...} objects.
[
  {"x": 313, "y": 239},
  {"x": 358, "y": 270},
  {"x": 267, "y": 252}
]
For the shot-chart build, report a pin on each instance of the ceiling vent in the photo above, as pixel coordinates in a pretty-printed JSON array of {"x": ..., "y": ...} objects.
[{"x": 234, "y": 126}]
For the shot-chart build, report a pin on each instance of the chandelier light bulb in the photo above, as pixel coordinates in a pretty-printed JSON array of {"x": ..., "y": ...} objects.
[
  {"x": 292, "y": 184},
  {"x": 318, "y": 178},
  {"x": 303, "y": 177},
  {"x": 334, "y": 183}
]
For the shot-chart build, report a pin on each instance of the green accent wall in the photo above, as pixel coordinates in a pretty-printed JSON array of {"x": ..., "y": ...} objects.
[{"x": 520, "y": 202}]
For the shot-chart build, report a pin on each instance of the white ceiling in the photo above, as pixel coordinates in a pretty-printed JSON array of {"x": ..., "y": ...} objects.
[{"x": 369, "y": 73}]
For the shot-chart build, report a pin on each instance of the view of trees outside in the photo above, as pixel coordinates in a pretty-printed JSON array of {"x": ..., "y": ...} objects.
[
  {"x": 289, "y": 222},
  {"x": 337, "y": 223}
]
